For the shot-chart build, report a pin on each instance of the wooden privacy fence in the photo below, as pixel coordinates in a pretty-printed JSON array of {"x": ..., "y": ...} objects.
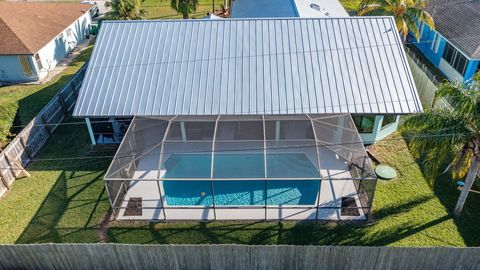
[
  {"x": 30, "y": 140},
  {"x": 241, "y": 257}
]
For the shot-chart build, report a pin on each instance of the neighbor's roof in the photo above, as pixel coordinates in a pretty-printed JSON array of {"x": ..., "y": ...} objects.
[
  {"x": 459, "y": 22},
  {"x": 248, "y": 66},
  {"x": 287, "y": 8},
  {"x": 26, "y": 27}
]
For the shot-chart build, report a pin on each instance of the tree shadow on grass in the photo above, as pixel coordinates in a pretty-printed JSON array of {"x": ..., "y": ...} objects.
[
  {"x": 73, "y": 208},
  {"x": 48, "y": 224},
  {"x": 468, "y": 222},
  {"x": 445, "y": 189},
  {"x": 265, "y": 233}
]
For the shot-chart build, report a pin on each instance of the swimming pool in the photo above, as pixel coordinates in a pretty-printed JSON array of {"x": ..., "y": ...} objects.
[{"x": 240, "y": 192}]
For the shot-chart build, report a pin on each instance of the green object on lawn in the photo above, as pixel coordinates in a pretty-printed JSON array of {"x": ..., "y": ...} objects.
[{"x": 385, "y": 172}]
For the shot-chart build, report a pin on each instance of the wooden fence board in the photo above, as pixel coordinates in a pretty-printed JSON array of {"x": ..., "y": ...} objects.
[{"x": 241, "y": 257}]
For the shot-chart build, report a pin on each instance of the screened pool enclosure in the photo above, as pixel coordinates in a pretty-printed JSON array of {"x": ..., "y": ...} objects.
[{"x": 273, "y": 167}]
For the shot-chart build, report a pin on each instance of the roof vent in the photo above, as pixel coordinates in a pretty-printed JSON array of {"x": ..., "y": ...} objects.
[
  {"x": 315, "y": 6},
  {"x": 318, "y": 9}
]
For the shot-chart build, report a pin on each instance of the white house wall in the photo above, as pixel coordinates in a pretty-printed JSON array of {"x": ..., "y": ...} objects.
[
  {"x": 52, "y": 53},
  {"x": 11, "y": 70},
  {"x": 450, "y": 72}
]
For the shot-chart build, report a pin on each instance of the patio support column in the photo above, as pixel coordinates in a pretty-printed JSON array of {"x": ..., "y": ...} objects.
[
  {"x": 110, "y": 198},
  {"x": 182, "y": 130},
  {"x": 339, "y": 131},
  {"x": 277, "y": 130},
  {"x": 161, "y": 200},
  {"x": 211, "y": 168},
  {"x": 265, "y": 159},
  {"x": 318, "y": 164},
  {"x": 160, "y": 160},
  {"x": 90, "y": 131}
]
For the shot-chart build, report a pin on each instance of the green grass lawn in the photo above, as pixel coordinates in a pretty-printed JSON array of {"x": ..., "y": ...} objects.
[
  {"x": 65, "y": 201},
  {"x": 20, "y": 103},
  {"x": 351, "y": 5},
  {"x": 160, "y": 9}
]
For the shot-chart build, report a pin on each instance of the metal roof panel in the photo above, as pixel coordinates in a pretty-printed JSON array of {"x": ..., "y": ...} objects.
[{"x": 248, "y": 66}]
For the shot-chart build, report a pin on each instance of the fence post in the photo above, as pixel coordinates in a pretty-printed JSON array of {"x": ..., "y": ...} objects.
[
  {"x": 12, "y": 162},
  {"x": 62, "y": 101},
  {"x": 25, "y": 148},
  {"x": 3, "y": 178},
  {"x": 45, "y": 124}
]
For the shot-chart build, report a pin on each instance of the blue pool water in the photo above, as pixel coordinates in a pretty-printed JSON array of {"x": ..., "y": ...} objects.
[{"x": 240, "y": 192}]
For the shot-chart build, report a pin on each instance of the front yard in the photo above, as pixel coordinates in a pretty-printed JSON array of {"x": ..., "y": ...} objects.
[{"x": 65, "y": 201}]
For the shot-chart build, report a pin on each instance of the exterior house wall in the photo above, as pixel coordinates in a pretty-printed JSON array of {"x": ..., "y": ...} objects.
[
  {"x": 52, "y": 53},
  {"x": 11, "y": 70},
  {"x": 379, "y": 132},
  {"x": 472, "y": 68},
  {"x": 435, "y": 57}
]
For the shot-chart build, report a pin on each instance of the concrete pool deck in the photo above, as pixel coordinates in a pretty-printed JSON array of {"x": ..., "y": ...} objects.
[{"x": 331, "y": 193}]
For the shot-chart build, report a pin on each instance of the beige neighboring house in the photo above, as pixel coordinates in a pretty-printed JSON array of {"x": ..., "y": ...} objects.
[{"x": 36, "y": 36}]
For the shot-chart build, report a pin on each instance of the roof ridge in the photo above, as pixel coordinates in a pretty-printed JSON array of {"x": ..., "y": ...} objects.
[{"x": 15, "y": 35}]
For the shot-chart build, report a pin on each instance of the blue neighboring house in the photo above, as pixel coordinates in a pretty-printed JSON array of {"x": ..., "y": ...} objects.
[{"x": 454, "y": 45}]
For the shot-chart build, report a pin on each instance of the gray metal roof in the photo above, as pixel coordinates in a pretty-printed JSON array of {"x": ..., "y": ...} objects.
[
  {"x": 248, "y": 66},
  {"x": 459, "y": 22}
]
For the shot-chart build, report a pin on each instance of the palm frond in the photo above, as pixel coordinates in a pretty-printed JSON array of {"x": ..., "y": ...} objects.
[
  {"x": 364, "y": 10},
  {"x": 401, "y": 26},
  {"x": 368, "y": 6},
  {"x": 465, "y": 99},
  {"x": 461, "y": 163},
  {"x": 436, "y": 137}
]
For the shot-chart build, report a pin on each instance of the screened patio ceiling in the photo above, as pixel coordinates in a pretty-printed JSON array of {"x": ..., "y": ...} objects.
[{"x": 279, "y": 147}]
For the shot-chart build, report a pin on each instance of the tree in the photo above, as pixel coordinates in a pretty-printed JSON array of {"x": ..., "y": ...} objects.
[
  {"x": 406, "y": 13},
  {"x": 125, "y": 10},
  {"x": 185, "y": 7},
  {"x": 450, "y": 137}
]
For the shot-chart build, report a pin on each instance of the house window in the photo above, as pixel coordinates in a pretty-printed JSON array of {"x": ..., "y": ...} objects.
[
  {"x": 364, "y": 124},
  {"x": 26, "y": 65},
  {"x": 436, "y": 42},
  {"x": 39, "y": 62},
  {"x": 388, "y": 119},
  {"x": 455, "y": 58}
]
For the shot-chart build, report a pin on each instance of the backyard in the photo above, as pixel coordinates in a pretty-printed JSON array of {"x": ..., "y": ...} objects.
[{"x": 64, "y": 201}]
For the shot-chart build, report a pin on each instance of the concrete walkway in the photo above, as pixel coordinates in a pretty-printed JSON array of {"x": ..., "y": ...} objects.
[{"x": 71, "y": 56}]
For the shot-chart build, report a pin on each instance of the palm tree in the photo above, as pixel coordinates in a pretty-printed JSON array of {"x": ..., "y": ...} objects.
[
  {"x": 407, "y": 13},
  {"x": 125, "y": 10},
  {"x": 450, "y": 136},
  {"x": 185, "y": 7}
]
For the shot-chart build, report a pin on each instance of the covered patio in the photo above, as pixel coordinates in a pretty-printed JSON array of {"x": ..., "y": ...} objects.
[
  {"x": 249, "y": 119},
  {"x": 265, "y": 167}
]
